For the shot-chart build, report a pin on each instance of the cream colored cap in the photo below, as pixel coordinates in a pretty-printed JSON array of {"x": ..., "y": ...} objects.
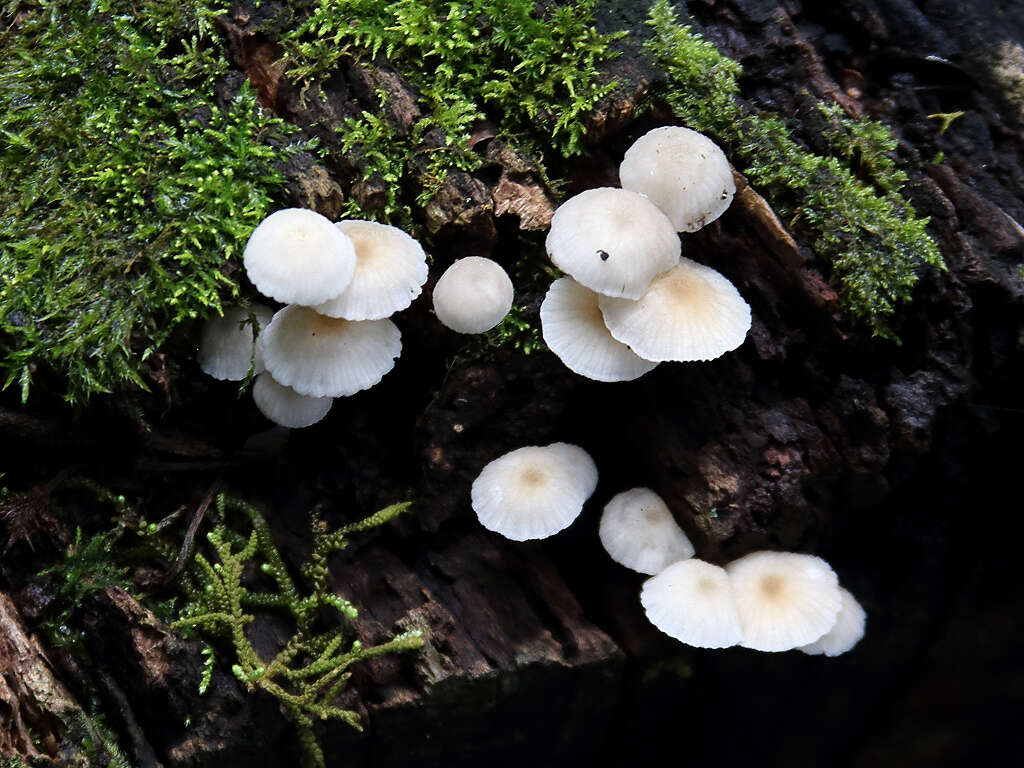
[
  {"x": 229, "y": 344},
  {"x": 689, "y": 313},
  {"x": 638, "y": 531},
  {"x": 297, "y": 256},
  {"x": 473, "y": 295},
  {"x": 391, "y": 269},
  {"x": 847, "y": 632},
  {"x": 284, "y": 406},
  {"x": 693, "y": 602},
  {"x": 574, "y": 330},
  {"x": 612, "y": 241},
  {"x": 322, "y": 356},
  {"x": 683, "y": 172}
]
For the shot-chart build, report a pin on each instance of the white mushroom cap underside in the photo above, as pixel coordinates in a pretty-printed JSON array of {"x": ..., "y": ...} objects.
[
  {"x": 638, "y": 531},
  {"x": 532, "y": 492},
  {"x": 574, "y": 330},
  {"x": 683, "y": 172},
  {"x": 298, "y": 256},
  {"x": 284, "y": 406},
  {"x": 321, "y": 356},
  {"x": 689, "y": 313},
  {"x": 227, "y": 346},
  {"x": 473, "y": 295},
  {"x": 785, "y": 600},
  {"x": 847, "y": 632},
  {"x": 612, "y": 241},
  {"x": 391, "y": 269},
  {"x": 693, "y": 602}
]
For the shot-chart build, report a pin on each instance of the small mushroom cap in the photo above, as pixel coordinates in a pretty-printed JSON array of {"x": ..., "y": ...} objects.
[
  {"x": 574, "y": 330},
  {"x": 229, "y": 344},
  {"x": 612, "y": 241},
  {"x": 533, "y": 492},
  {"x": 473, "y": 295},
  {"x": 284, "y": 406},
  {"x": 391, "y": 269},
  {"x": 323, "y": 356},
  {"x": 298, "y": 256},
  {"x": 683, "y": 172},
  {"x": 693, "y": 602},
  {"x": 689, "y": 313},
  {"x": 638, "y": 531},
  {"x": 785, "y": 599},
  {"x": 847, "y": 632}
]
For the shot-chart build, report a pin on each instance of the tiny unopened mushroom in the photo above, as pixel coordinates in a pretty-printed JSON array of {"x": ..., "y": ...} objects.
[
  {"x": 693, "y": 601},
  {"x": 612, "y": 241},
  {"x": 322, "y": 356},
  {"x": 473, "y": 295},
  {"x": 638, "y": 531},
  {"x": 231, "y": 343},
  {"x": 284, "y": 406},
  {"x": 391, "y": 269},
  {"x": 691, "y": 312},
  {"x": 535, "y": 491},
  {"x": 297, "y": 256},
  {"x": 683, "y": 172},
  {"x": 847, "y": 632},
  {"x": 785, "y": 599},
  {"x": 574, "y": 330}
]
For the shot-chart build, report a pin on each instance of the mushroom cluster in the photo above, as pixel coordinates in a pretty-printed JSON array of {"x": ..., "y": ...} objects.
[
  {"x": 341, "y": 282},
  {"x": 630, "y": 300}
]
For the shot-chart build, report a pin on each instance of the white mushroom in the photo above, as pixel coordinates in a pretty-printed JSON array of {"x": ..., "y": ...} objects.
[
  {"x": 284, "y": 406},
  {"x": 298, "y": 256},
  {"x": 847, "y": 632},
  {"x": 689, "y": 313},
  {"x": 639, "y": 532},
  {"x": 230, "y": 344},
  {"x": 473, "y": 295},
  {"x": 574, "y": 330},
  {"x": 391, "y": 269},
  {"x": 683, "y": 172},
  {"x": 693, "y": 602},
  {"x": 612, "y": 241}
]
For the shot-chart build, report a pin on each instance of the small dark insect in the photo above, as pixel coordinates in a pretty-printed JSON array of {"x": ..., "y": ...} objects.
[{"x": 604, "y": 255}]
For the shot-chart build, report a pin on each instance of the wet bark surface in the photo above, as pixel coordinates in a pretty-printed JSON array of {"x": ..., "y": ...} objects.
[{"x": 895, "y": 463}]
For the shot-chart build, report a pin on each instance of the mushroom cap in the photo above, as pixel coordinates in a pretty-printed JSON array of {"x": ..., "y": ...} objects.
[
  {"x": 693, "y": 601},
  {"x": 683, "y": 172},
  {"x": 473, "y": 295},
  {"x": 847, "y": 632},
  {"x": 689, "y": 313},
  {"x": 785, "y": 599},
  {"x": 638, "y": 531},
  {"x": 298, "y": 256},
  {"x": 323, "y": 356},
  {"x": 535, "y": 491},
  {"x": 229, "y": 344},
  {"x": 574, "y": 330},
  {"x": 612, "y": 241},
  {"x": 284, "y": 406},
  {"x": 391, "y": 269}
]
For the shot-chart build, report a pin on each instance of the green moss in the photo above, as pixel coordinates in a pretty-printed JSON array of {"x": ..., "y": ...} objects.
[
  {"x": 864, "y": 228},
  {"x": 125, "y": 190}
]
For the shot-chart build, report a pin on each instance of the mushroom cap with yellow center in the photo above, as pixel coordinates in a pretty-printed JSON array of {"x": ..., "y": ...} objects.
[{"x": 693, "y": 601}]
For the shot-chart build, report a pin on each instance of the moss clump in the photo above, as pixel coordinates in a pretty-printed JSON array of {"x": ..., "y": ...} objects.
[
  {"x": 865, "y": 228},
  {"x": 126, "y": 191}
]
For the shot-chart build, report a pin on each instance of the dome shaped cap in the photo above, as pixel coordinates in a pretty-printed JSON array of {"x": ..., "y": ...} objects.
[
  {"x": 785, "y": 599},
  {"x": 689, "y": 313},
  {"x": 391, "y": 269},
  {"x": 612, "y": 241},
  {"x": 683, "y": 172},
  {"x": 322, "y": 356},
  {"x": 229, "y": 344},
  {"x": 533, "y": 492},
  {"x": 639, "y": 532},
  {"x": 297, "y": 256},
  {"x": 473, "y": 295},
  {"x": 574, "y": 330},
  {"x": 284, "y": 406},
  {"x": 847, "y": 632},
  {"x": 693, "y": 602}
]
